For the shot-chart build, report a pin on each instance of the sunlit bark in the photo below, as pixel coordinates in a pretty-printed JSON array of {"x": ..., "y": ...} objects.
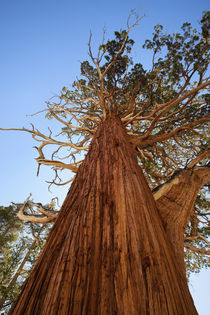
[
  {"x": 175, "y": 201},
  {"x": 108, "y": 252}
]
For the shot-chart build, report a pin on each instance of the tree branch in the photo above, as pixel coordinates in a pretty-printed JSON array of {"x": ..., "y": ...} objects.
[
  {"x": 195, "y": 249},
  {"x": 200, "y": 157},
  {"x": 192, "y": 238},
  {"x": 49, "y": 140},
  {"x": 175, "y": 201},
  {"x": 142, "y": 142},
  {"x": 69, "y": 125},
  {"x": 45, "y": 218},
  {"x": 57, "y": 164},
  {"x": 171, "y": 104}
]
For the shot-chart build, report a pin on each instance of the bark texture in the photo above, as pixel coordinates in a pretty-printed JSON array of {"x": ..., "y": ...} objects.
[
  {"x": 175, "y": 201},
  {"x": 108, "y": 252}
]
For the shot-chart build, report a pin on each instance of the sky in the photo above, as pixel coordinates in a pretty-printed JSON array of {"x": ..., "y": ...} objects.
[{"x": 42, "y": 44}]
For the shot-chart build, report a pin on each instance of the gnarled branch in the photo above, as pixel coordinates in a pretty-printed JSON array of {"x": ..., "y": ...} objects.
[
  {"x": 46, "y": 217},
  {"x": 175, "y": 202}
]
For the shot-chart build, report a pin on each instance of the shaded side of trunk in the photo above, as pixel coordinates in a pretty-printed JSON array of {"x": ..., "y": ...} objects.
[
  {"x": 175, "y": 201},
  {"x": 107, "y": 252}
]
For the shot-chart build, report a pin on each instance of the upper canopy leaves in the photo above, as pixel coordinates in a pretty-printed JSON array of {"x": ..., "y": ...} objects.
[{"x": 164, "y": 107}]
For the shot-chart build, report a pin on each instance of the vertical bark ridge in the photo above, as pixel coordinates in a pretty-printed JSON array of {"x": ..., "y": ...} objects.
[{"x": 107, "y": 252}]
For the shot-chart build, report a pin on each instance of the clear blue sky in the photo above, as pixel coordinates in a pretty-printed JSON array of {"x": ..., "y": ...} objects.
[{"x": 42, "y": 43}]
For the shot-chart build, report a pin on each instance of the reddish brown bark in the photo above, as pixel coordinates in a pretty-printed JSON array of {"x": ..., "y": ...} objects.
[
  {"x": 175, "y": 201},
  {"x": 108, "y": 252}
]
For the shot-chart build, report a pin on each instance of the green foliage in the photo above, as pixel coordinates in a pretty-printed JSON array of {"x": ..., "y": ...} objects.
[
  {"x": 177, "y": 57},
  {"x": 205, "y": 22},
  {"x": 198, "y": 225},
  {"x": 111, "y": 82},
  {"x": 195, "y": 261},
  {"x": 17, "y": 245},
  {"x": 179, "y": 64},
  {"x": 12, "y": 255}
]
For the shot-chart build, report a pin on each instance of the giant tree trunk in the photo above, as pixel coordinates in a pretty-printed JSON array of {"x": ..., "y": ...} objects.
[{"x": 108, "y": 252}]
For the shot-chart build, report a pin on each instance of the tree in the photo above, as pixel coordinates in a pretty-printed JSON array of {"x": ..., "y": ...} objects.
[
  {"x": 115, "y": 247},
  {"x": 10, "y": 226},
  {"x": 20, "y": 246}
]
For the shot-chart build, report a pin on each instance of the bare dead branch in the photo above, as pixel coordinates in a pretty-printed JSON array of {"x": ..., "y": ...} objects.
[
  {"x": 57, "y": 164},
  {"x": 45, "y": 139},
  {"x": 69, "y": 125},
  {"x": 60, "y": 184},
  {"x": 95, "y": 61},
  {"x": 41, "y": 111},
  {"x": 46, "y": 216}
]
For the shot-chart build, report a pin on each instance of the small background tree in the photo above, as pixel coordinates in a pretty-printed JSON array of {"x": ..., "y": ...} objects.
[{"x": 20, "y": 244}]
